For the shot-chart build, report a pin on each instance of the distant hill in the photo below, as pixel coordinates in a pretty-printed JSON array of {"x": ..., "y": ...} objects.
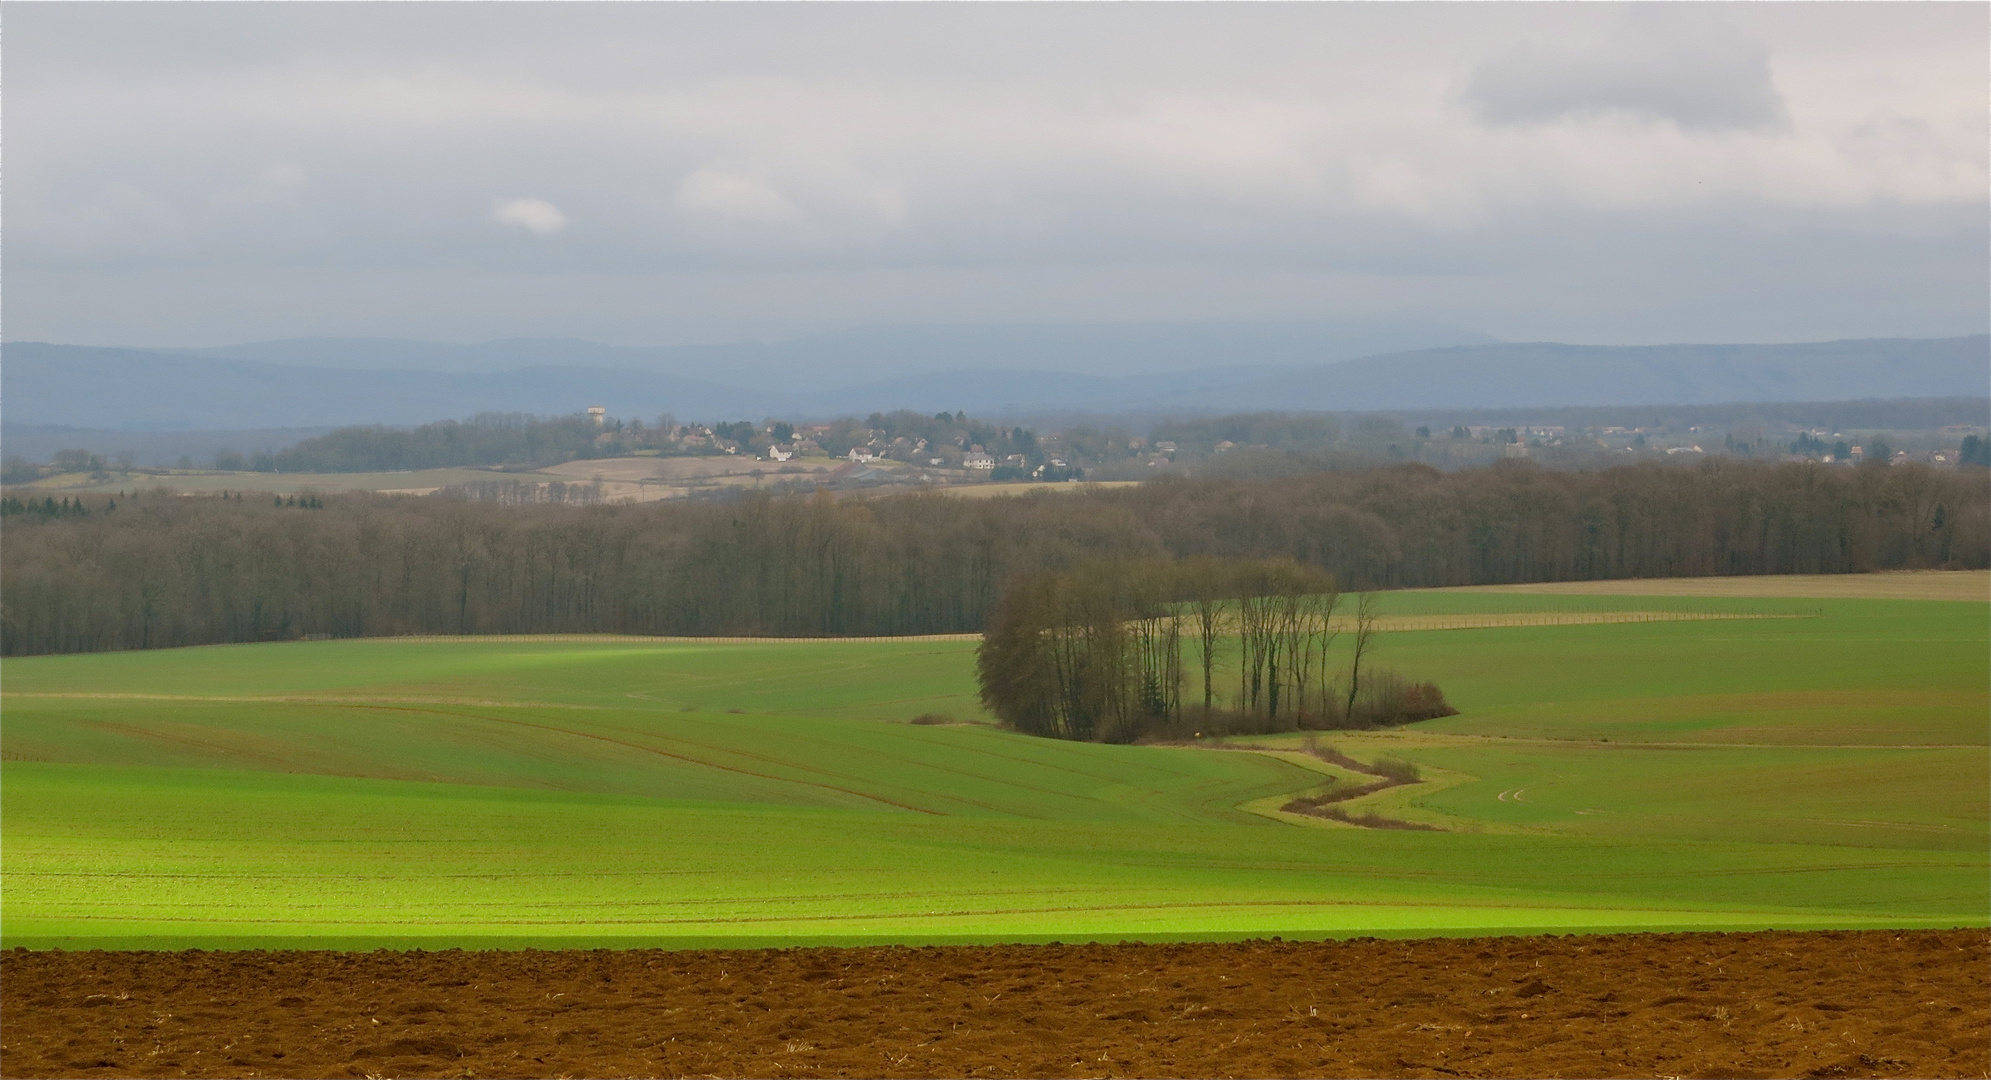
[
  {"x": 82, "y": 386},
  {"x": 150, "y": 389},
  {"x": 1520, "y": 375},
  {"x": 831, "y": 361},
  {"x": 39, "y": 442}
]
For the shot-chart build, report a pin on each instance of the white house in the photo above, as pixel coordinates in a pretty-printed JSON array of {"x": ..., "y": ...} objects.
[
  {"x": 979, "y": 461},
  {"x": 775, "y": 453},
  {"x": 860, "y": 453}
]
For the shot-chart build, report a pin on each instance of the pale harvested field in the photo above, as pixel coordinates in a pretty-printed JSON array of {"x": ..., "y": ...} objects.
[
  {"x": 626, "y": 479},
  {"x": 990, "y": 491},
  {"x": 682, "y": 468},
  {"x": 1385, "y": 623},
  {"x": 1888, "y": 585},
  {"x": 1543, "y": 618},
  {"x": 649, "y": 479},
  {"x": 644, "y": 479},
  {"x": 416, "y": 481}
]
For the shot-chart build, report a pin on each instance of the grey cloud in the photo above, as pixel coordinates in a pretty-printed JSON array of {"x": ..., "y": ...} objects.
[
  {"x": 188, "y": 174},
  {"x": 1702, "y": 77}
]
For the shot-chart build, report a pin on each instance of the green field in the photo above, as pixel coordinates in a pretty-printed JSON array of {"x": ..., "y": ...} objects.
[{"x": 1826, "y": 769}]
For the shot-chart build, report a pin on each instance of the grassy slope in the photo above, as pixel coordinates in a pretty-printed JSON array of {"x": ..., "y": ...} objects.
[
  {"x": 1862, "y": 672},
  {"x": 356, "y": 792}
]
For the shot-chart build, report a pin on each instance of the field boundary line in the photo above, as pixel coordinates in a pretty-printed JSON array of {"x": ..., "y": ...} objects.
[
  {"x": 1386, "y": 623},
  {"x": 1973, "y": 586},
  {"x": 688, "y": 759},
  {"x": 1489, "y": 621},
  {"x": 296, "y": 699},
  {"x": 1466, "y": 738},
  {"x": 667, "y": 639}
]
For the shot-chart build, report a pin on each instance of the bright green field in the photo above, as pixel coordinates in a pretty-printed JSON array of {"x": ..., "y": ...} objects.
[{"x": 1824, "y": 771}]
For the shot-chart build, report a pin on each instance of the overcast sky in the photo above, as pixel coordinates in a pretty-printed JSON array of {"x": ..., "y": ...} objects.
[{"x": 192, "y": 174}]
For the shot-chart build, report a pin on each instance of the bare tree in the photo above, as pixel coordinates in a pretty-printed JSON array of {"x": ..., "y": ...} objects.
[
  {"x": 1365, "y": 638},
  {"x": 1205, "y": 584}
]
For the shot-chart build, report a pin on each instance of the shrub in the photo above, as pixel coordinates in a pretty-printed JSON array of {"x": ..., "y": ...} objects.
[
  {"x": 1370, "y": 820},
  {"x": 1387, "y": 699}
]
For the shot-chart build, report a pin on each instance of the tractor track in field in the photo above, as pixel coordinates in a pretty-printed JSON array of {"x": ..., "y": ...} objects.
[
  {"x": 304, "y": 699},
  {"x": 1426, "y": 739},
  {"x": 572, "y": 733},
  {"x": 1420, "y": 737},
  {"x": 433, "y": 706}
]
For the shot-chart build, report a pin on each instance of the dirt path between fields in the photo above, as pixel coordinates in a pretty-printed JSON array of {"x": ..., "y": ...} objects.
[{"x": 1832, "y": 1004}]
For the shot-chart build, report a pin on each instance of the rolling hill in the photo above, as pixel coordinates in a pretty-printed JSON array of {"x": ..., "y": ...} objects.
[{"x": 1818, "y": 767}]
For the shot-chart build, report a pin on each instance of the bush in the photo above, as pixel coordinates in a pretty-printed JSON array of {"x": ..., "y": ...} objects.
[
  {"x": 1397, "y": 770},
  {"x": 1370, "y": 820},
  {"x": 931, "y": 718},
  {"x": 1386, "y": 699},
  {"x": 1424, "y": 701}
]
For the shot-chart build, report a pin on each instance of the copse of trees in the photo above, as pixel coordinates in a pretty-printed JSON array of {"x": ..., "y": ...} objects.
[
  {"x": 1974, "y": 451},
  {"x": 178, "y": 570},
  {"x": 1091, "y": 653},
  {"x": 15, "y": 469},
  {"x": 1097, "y": 653}
]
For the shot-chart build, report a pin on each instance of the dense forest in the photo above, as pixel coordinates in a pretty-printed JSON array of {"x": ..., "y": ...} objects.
[{"x": 161, "y": 570}]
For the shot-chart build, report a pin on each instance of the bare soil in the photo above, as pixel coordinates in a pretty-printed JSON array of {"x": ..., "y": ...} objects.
[{"x": 1837, "y": 1004}]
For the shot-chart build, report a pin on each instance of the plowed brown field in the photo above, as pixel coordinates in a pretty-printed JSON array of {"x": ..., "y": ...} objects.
[{"x": 1882, "y": 1003}]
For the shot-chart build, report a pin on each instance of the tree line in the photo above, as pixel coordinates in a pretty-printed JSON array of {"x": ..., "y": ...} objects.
[
  {"x": 486, "y": 439},
  {"x": 166, "y": 570}
]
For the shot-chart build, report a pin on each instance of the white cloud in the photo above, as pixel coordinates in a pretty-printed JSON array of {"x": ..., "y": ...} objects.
[
  {"x": 536, "y": 216},
  {"x": 732, "y": 196}
]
